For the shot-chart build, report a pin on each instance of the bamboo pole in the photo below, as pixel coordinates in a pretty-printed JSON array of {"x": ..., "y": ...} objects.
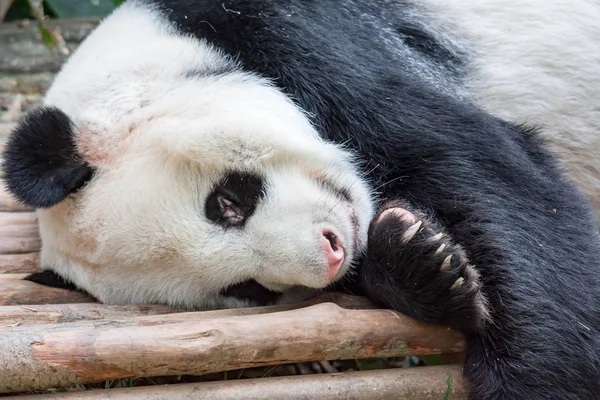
[
  {"x": 16, "y": 291},
  {"x": 420, "y": 383},
  {"x": 45, "y": 356}
]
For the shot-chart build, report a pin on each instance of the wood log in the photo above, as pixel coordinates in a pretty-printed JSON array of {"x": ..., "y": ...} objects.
[
  {"x": 9, "y": 204},
  {"x": 12, "y": 316},
  {"x": 19, "y": 263},
  {"x": 15, "y": 291},
  {"x": 420, "y": 383},
  {"x": 45, "y": 356}
]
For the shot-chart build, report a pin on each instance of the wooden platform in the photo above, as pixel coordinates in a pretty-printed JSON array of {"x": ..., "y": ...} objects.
[{"x": 51, "y": 338}]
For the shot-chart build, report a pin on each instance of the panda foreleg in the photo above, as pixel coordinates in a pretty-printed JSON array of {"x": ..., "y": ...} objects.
[{"x": 414, "y": 267}]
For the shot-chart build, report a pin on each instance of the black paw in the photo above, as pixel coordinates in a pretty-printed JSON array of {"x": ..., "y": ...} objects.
[{"x": 414, "y": 267}]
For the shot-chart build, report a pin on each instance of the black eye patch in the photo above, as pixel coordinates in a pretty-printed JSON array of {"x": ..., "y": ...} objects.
[{"x": 234, "y": 199}]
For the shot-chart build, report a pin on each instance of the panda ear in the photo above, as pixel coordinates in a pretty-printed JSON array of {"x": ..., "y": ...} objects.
[{"x": 41, "y": 163}]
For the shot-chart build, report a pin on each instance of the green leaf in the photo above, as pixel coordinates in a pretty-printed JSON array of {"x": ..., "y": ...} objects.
[
  {"x": 47, "y": 37},
  {"x": 82, "y": 8},
  {"x": 448, "y": 385}
]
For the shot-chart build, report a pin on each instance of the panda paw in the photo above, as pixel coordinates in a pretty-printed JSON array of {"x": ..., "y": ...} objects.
[{"x": 414, "y": 267}]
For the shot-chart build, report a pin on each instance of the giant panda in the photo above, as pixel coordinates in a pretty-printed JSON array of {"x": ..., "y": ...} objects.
[{"x": 438, "y": 156}]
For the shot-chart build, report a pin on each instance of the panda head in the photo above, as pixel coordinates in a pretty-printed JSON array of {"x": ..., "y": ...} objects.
[{"x": 187, "y": 190}]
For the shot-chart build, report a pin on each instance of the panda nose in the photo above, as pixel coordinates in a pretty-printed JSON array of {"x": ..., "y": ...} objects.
[{"x": 334, "y": 251}]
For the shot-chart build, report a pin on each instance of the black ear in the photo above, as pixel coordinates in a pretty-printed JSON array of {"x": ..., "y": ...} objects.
[{"x": 41, "y": 163}]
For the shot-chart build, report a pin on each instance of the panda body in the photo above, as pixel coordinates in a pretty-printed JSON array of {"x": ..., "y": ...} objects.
[{"x": 208, "y": 154}]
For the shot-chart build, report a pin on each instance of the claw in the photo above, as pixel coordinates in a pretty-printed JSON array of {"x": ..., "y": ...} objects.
[
  {"x": 446, "y": 263},
  {"x": 458, "y": 283},
  {"x": 441, "y": 248},
  {"x": 410, "y": 232},
  {"x": 437, "y": 237}
]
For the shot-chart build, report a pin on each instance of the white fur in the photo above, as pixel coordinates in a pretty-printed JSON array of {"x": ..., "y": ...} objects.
[
  {"x": 537, "y": 62},
  {"x": 159, "y": 141}
]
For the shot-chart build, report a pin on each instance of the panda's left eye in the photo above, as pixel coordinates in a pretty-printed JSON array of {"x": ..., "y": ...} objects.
[
  {"x": 225, "y": 209},
  {"x": 230, "y": 210},
  {"x": 234, "y": 199}
]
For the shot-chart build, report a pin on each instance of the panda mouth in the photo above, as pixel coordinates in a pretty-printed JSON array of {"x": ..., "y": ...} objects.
[{"x": 253, "y": 292}]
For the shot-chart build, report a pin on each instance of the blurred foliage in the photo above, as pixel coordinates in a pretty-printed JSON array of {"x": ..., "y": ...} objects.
[
  {"x": 80, "y": 8},
  {"x": 21, "y": 9}
]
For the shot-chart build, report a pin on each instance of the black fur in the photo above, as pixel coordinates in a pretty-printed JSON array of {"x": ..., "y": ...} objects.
[
  {"x": 242, "y": 192},
  {"x": 489, "y": 185},
  {"x": 421, "y": 271},
  {"x": 41, "y": 163}
]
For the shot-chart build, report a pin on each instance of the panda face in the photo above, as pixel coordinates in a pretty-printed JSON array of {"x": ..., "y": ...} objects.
[
  {"x": 207, "y": 201},
  {"x": 181, "y": 179}
]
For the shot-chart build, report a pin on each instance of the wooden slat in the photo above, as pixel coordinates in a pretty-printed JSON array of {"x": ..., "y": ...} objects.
[
  {"x": 9, "y": 204},
  {"x": 19, "y": 263},
  {"x": 19, "y": 245},
  {"x": 19, "y": 233},
  {"x": 420, "y": 383},
  {"x": 44, "y": 356},
  {"x": 17, "y": 218},
  {"x": 15, "y": 291}
]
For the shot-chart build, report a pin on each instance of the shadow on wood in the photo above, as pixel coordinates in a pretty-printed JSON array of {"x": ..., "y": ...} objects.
[{"x": 15, "y": 291}]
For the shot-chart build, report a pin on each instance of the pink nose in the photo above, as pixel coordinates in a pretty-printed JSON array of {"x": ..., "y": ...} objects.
[{"x": 334, "y": 251}]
